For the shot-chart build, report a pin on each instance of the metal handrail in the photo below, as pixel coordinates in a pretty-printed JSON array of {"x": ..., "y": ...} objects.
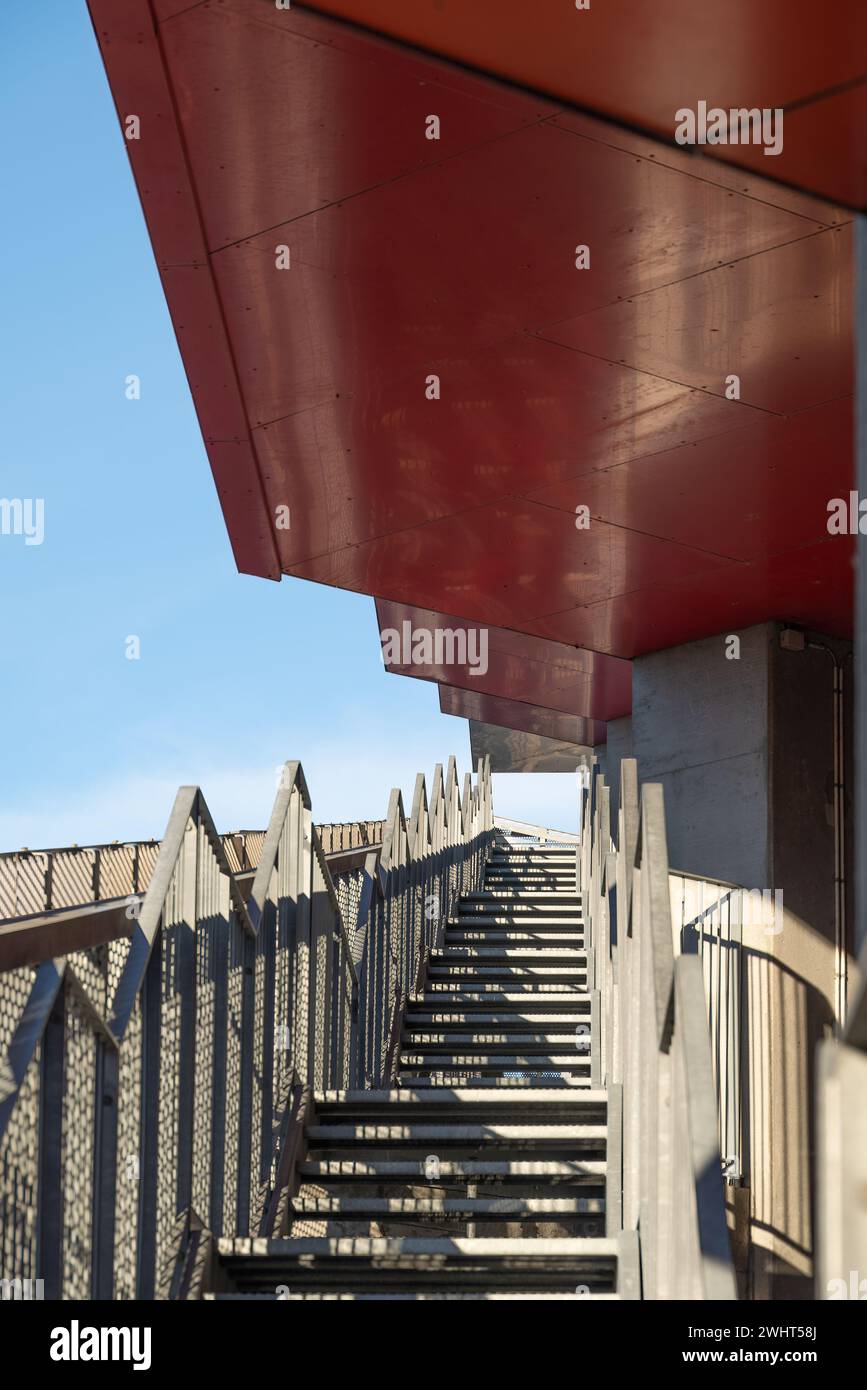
[{"x": 166, "y": 1068}]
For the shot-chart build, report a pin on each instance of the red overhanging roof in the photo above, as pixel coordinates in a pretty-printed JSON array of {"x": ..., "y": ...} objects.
[
  {"x": 517, "y": 714},
  {"x": 639, "y": 63},
  {"x": 558, "y": 388},
  {"x": 529, "y": 669}
]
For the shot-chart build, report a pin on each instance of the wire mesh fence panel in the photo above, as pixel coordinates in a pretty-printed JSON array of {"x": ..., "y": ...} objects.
[
  {"x": 165, "y": 1076},
  {"x": 77, "y": 1146},
  {"x": 211, "y": 927},
  {"x": 19, "y": 1180},
  {"x": 129, "y": 1157},
  {"x": 32, "y": 882},
  {"x": 146, "y": 863},
  {"x": 253, "y": 843},
  {"x": 15, "y": 987},
  {"x": 72, "y": 877},
  {"x": 117, "y": 876},
  {"x": 321, "y": 960},
  {"x": 232, "y": 1091},
  {"x": 289, "y": 912},
  {"x": 23, "y": 881},
  {"x": 233, "y": 848}
]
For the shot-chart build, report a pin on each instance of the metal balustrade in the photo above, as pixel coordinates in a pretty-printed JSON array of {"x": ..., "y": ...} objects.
[
  {"x": 655, "y": 1047},
  {"x": 152, "y": 1083},
  {"x": 708, "y": 918}
]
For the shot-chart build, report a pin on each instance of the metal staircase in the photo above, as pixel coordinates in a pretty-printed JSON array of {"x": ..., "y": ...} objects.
[
  {"x": 424, "y": 1058},
  {"x": 482, "y": 1173}
]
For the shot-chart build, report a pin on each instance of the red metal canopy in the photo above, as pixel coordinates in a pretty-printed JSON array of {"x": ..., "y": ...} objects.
[
  {"x": 323, "y": 260},
  {"x": 515, "y": 714},
  {"x": 639, "y": 63},
  {"x": 528, "y": 669}
]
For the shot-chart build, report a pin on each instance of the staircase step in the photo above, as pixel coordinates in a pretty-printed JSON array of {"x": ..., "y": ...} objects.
[
  {"x": 531, "y": 864},
  {"x": 523, "y": 864},
  {"x": 405, "y": 1264},
  {"x": 425, "y": 1041},
  {"x": 534, "y": 955},
  {"x": 563, "y": 1024},
  {"x": 480, "y": 974},
  {"x": 530, "y": 913},
  {"x": 530, "y": 872},
  {"x": 530, "y": 875},
  {"x": 557, "y": 890},
  {"x": 506, "y": 1052},
  {"x": 449, "y": 1081},
  {"x": 470, "y": 992},
  {"x": 460, "y": 1070},
  {"x": 384, "y": 1135},
  {"x": 556, "y": 922},
  {"x": 509, "y": 920},
  {"x": 540, "y": 905},
  {"x": 552, "y": 905},
  {"x": 493, "y": 996},
  {"x": 391, "y": 1297},
  {"x": 513, "y": 936},
  {"x": 535, "y": 854},
  {"x": 587, "y": 1172},
  {"x": 521, "y": 900},
  {"x": 557, "y": 887},
  {"x": 512, "y": 840},
  {"x": 399, "y": 1097},
  {"x": 458, "y": 1208},
  {"x": 507, "y": 898},
  {"x": 482, "y": 970},
  {"x": 521, "y": 912}
]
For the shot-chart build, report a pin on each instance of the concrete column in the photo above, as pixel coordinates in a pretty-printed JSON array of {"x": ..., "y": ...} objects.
[
  {"x": 700, "y": 726},
  {"x": 740, "y": 730}
]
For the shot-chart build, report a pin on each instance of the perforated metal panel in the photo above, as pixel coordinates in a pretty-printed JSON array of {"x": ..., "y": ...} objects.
[
  {"x": 129, "y": 1157},
  {"x": 22, "y": 884},
  {"x": 77, "y": 1140},
  {"x": 19, "y": 1180}
]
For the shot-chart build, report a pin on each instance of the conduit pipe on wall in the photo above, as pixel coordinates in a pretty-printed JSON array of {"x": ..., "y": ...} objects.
[{"x": 841, "y": 958}]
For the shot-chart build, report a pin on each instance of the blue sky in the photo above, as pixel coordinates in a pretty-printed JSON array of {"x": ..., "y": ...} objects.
[{"x": 236, "y": 674}]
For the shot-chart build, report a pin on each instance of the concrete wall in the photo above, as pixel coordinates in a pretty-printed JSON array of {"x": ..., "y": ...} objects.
[
  {"x": 791, "y": 984},
  {"x": 700, "y": 726},
  {"x": 619, "y": 746},
  {"x": 802, "y": 760}
]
